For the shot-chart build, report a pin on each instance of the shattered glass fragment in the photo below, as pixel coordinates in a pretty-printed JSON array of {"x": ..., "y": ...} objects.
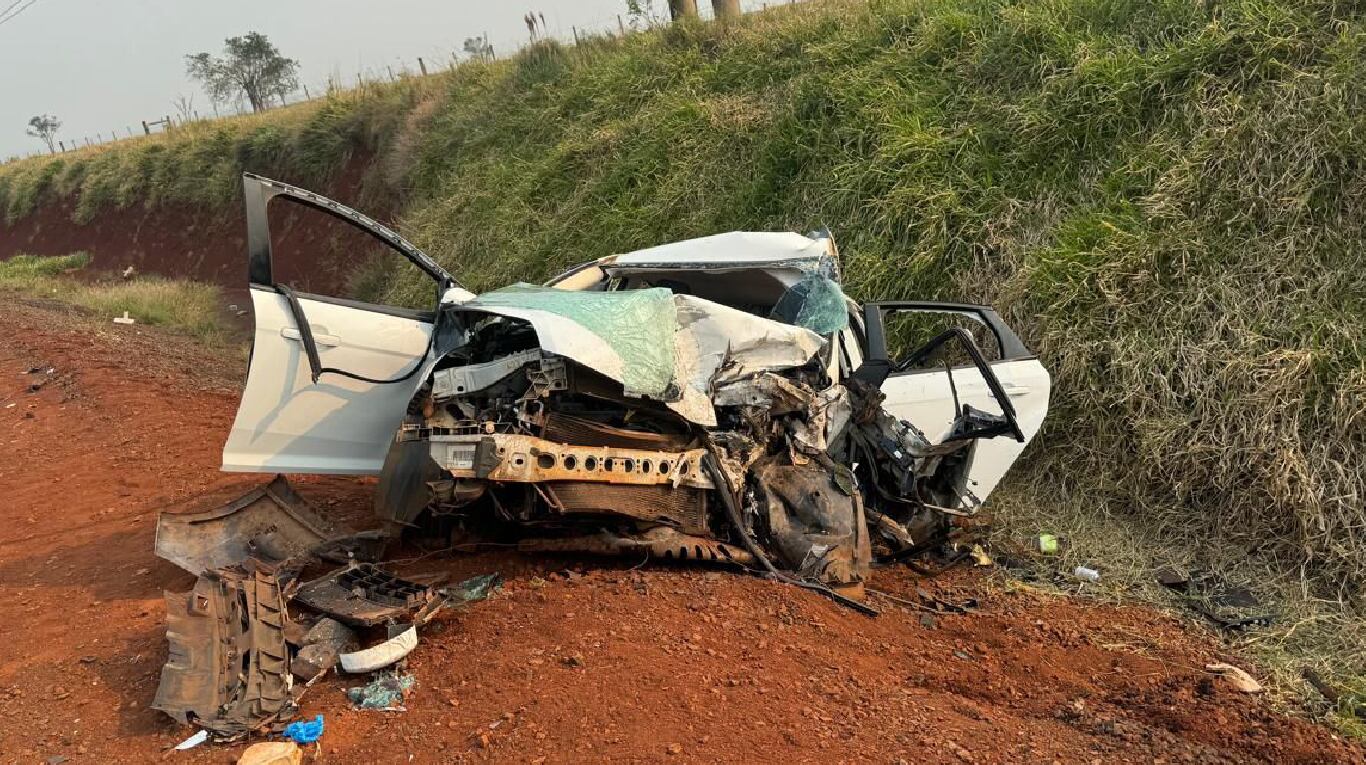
[
  {"x": 816, "y": 303},
  {"x": 385, "y": 693}
]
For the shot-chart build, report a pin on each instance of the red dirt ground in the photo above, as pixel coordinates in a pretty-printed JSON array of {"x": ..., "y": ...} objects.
[{"x": 576, "y": 660}]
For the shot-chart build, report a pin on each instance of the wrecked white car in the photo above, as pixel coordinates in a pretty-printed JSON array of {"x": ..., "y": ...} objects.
[{"x": 717, "y": 398}]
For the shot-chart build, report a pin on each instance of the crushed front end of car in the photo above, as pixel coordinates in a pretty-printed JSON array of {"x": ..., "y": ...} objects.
[{"x": 653, "y": 422}]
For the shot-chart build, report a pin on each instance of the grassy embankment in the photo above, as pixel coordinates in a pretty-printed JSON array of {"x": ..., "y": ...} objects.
[{"x": 1166, "y": 198}]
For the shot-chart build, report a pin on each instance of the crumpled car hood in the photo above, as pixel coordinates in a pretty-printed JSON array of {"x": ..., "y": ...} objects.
[{"x": 669, "y": 347}]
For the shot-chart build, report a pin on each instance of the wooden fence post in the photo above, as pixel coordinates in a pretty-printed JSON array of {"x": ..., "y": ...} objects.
[
  {"x": 422, "y": 65},
  {"x": 62, "y": 144},
  {"x": 681, "y": 9},
  {"x": 725, "y": 9}
]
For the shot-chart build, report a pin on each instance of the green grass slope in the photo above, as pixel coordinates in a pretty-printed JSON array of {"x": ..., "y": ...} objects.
[
  {"x": 1165, "y": 196},
  {"x": 201, "y": 163}
]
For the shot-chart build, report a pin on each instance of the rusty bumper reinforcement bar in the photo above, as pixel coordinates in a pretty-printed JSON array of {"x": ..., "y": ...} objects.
[{"x": 527, "y": 459}]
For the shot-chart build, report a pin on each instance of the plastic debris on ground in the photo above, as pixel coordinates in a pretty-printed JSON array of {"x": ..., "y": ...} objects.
[
  {"x": 381, "y": 655},
  {"x": 475, "y": 588},
  {"x": 385, "y": 693},
  {"x": 193, "y": 741},
  {"x": 1230, "y": 605},
  {"x": 1086, "y": 574},
  {"x": 305, "y": 731}
]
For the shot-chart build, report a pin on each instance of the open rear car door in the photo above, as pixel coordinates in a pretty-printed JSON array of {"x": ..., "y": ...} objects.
[
  {"x": 934, "y": 359},
  {"x": 330, "y": 379}
]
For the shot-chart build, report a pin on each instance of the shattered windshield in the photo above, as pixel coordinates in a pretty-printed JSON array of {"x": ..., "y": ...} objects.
[{"x": 637, "y": 326}]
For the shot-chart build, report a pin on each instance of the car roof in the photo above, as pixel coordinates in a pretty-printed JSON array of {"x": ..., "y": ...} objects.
[{"x": 730, "y": 250}]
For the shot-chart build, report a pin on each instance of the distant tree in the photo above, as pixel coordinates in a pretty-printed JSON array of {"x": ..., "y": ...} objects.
[
  {"x": 479, "y": 48},
  {"x": 642, "y": 12},
  {"x": 44, "y": 127},
  {"x": 251, "y": 66}
]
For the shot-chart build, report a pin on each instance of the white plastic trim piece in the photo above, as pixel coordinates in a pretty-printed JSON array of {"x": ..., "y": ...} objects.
[{"x": 382, "y": 655}]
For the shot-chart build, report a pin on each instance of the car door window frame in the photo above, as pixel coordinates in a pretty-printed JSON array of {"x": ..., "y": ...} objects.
[
  {"x": 259, "y": 191},
  {"x": 1010, "y": 347},
  {"x": 877, "y": 367}
]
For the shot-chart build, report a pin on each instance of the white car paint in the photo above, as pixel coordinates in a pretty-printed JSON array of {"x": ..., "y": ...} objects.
[
  {"x": 731, "y": 249},
  {"x": 925, "y": 399},
  {"x": 288, "y": 424}
]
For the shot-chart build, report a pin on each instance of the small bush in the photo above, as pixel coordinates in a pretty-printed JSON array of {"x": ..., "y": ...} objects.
[{"x": 22, "y": 267}]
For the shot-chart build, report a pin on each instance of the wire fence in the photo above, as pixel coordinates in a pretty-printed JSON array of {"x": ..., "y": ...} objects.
[{"x": 434, "y": 61}]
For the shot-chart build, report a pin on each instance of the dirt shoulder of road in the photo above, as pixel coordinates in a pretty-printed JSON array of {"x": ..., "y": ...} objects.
[{"x": 576, "y": 659}]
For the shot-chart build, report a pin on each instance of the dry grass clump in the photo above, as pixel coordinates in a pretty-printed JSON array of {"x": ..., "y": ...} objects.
[{"x": 188, "y": 306}]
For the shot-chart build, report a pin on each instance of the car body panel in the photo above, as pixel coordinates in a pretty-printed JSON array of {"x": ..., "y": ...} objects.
[
  {"x": 734, "y": 249},
  {"x": 290, "y": 419},
  {"x": 926, "y": 399},
  {"x": 287, "y": 423}
]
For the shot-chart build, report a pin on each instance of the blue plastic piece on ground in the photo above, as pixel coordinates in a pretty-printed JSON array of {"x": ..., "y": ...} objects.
[{"x": 305, "y": 731}]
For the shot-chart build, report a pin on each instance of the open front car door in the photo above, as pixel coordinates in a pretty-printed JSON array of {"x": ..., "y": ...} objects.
[
  {"x": 330, "y": 379},
  {"x": 957, "y": 372}
]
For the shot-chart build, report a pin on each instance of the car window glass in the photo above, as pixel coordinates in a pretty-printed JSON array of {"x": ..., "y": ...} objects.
[
  {"x": 908, "y": 331},
  {"x": 320, "y": 254}
]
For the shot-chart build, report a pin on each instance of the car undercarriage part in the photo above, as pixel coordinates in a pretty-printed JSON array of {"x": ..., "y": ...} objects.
[
  {"x": 816, "y": 526},
  {"x": 321, "y": 645},
  {"x": 527, "y": 459},
  {"x": 228, "y": 666},
  {"x": 270, "y": 523},
  {"x": 659, "y": 542},
  {"x": 364, "y": 595},
  {"x": 733, "y": 510}
]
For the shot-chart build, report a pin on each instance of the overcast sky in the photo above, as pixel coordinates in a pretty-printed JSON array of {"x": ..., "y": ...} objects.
[{"x": 105, "y": 65}]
